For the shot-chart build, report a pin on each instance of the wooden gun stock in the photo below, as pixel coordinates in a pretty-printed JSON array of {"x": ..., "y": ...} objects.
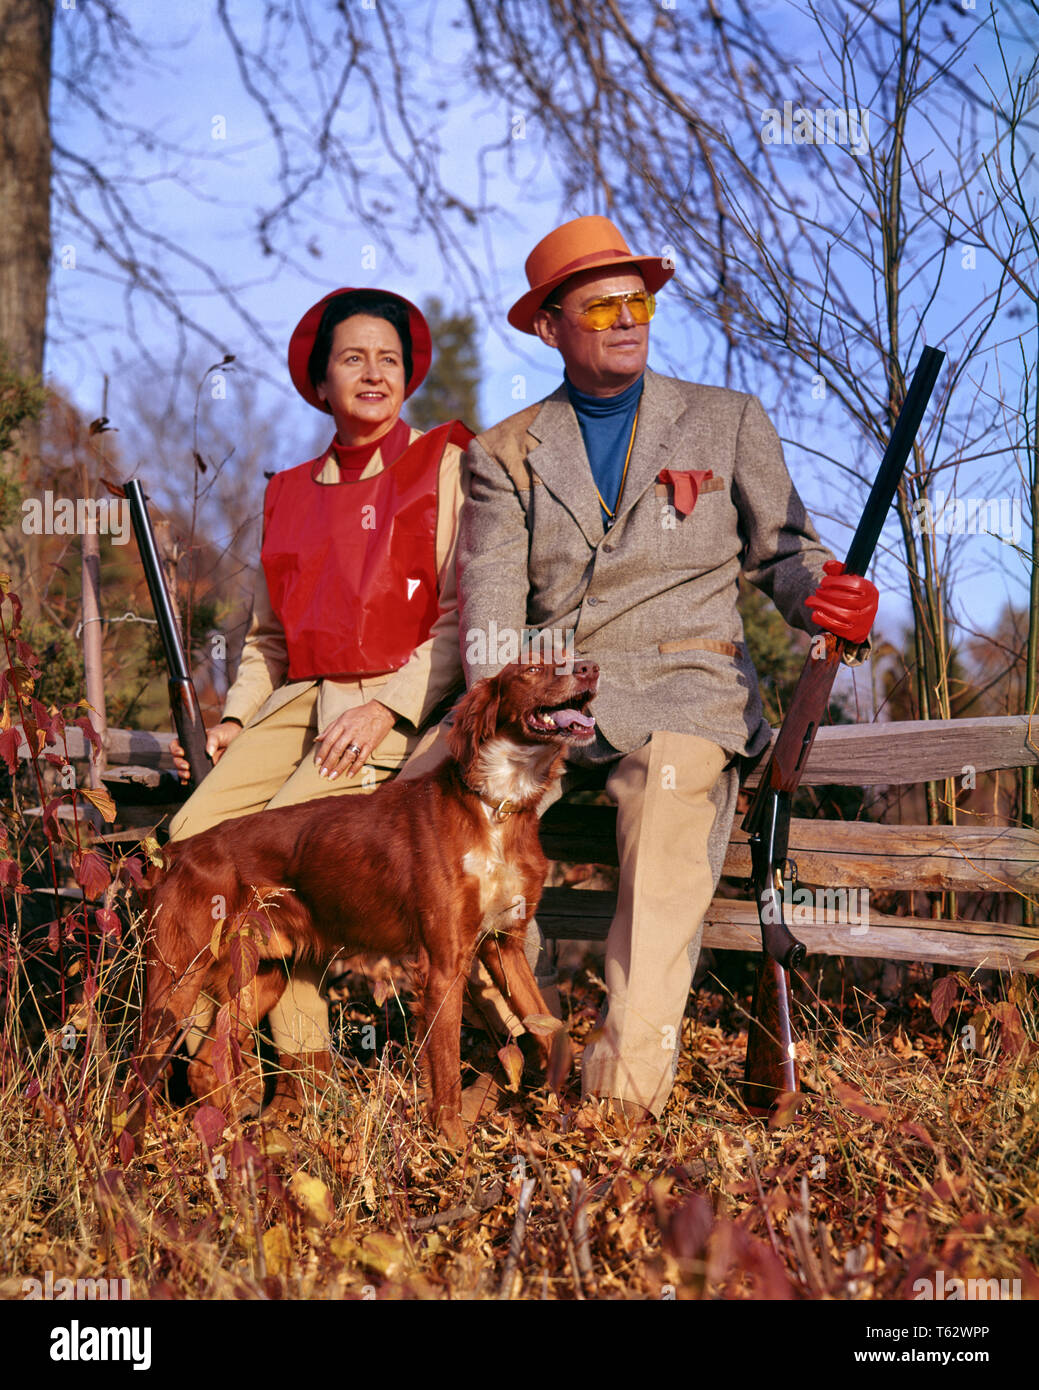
[{"x": 770, "y": 1067}]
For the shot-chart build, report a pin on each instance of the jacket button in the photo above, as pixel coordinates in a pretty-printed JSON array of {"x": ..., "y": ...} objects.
[
  {"x": 593, "y": 600},
  {"x": 607, "y": 547}
]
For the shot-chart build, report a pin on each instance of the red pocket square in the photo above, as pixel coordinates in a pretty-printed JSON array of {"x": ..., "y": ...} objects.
[{"x": 686, "y": 483}]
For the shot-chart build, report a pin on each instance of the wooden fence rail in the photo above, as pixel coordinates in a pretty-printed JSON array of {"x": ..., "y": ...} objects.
[
  {"x": 838, "y": 859},
  {"x": 860, "y": 755}
]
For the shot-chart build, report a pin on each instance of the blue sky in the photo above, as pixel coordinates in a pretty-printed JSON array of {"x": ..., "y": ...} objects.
[{"x": 205, "y": 191}]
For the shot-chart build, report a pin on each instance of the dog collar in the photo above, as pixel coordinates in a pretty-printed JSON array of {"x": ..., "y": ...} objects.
[{"x": 501, "y": 810}]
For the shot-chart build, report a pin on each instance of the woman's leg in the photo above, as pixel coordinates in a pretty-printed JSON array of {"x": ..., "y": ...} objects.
[
  {"x": 253, "y": 769},
  {"x": 299, "y": 1021}
]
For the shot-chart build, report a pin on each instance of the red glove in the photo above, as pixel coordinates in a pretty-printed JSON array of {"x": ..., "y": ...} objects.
[{"x": 844, "y": 604}]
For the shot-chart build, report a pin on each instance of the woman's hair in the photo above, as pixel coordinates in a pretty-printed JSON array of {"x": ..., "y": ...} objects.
[{"x": 372, "y": 302}]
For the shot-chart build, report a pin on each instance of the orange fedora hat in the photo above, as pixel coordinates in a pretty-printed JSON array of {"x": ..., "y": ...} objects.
[
  {"x": 584, "y": 244},
  {"x": 301, "y": 344}
]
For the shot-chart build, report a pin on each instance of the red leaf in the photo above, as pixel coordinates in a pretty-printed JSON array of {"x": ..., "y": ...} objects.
[
  {"x": 210, "y": 1123},
  {"x": 92, "y": 873},
  {"x": 943, "y": 996},
  {"x": 771, "y": 1279},
  {"x": 126, "y": 1147},
  {"x": 688, "y": 1228},
  {"x": 242, "y": 1151},
  {"x": 131, "y": 872},
  {"x": 244, "y": 955},
  {"x": 227, "y": 1053},
  {"x": 9, "y": 741},
  {"x": 89, "y": 732},
  {"x": 16, "y": 606},
  {"x": 858, "y": 1104},
  {"x": 1012, "y": 1035},
  {"x": 51, "y": 828},
  {"x": 511, "y": 1059},
  {"x": 915, "y": 1131},
  {"x": 27, "y": 657},
  {"x": 108, "y": 922},
  {"x": 259, "y": 924},
  {"x": 9, "y": 872},
  {"x": 50, "y": 725},
  {"x": 126, "y": 1236}
]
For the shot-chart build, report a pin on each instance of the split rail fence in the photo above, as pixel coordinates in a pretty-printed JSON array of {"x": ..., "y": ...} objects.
[{"x": 836, "y": 855}]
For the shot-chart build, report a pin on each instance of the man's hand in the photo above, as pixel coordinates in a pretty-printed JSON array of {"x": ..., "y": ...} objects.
[
  {"x": 348, "y": 740},
  {"x": 219, "y": 737},
  {"x": 844, "y": 604}
]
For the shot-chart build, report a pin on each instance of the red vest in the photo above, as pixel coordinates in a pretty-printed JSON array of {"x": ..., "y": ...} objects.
[{"x": 351, "y": 567}]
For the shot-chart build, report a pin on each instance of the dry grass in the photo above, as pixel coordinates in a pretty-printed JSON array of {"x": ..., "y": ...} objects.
[{"x": 910, "y": 1153}]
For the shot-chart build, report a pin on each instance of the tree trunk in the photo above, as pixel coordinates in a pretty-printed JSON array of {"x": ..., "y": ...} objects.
[
  {"x": 25, "y": 239},
  {"x": 25, "y": 178}
]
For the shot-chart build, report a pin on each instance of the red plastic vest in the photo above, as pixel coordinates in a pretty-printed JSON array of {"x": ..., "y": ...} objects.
[{"x": 351, "y": 567}]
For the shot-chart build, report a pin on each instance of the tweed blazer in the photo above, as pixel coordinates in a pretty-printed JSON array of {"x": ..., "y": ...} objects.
[{"x": 653, "y": 599}]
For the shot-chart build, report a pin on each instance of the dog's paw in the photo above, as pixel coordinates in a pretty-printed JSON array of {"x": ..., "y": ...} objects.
[{"x": 452, "y": 1129}]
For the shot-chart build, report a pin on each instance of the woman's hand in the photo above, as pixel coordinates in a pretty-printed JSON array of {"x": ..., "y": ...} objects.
[
  {"x": 219, "y": 737},
  {"x": 346, "y": 743}
]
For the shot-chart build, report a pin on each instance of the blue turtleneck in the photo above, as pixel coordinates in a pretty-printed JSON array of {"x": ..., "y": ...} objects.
[{"x": 606, "y": 424}]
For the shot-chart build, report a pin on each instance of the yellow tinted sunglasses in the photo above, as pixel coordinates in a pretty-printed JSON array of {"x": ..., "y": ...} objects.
[{"x": 604, "y": 313}]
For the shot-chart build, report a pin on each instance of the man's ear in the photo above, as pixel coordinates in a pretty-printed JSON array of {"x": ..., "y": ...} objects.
[{"x": 546, "y": 327}]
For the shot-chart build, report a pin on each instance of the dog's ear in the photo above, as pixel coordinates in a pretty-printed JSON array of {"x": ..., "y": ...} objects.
[{"x": 476, "y": 718}]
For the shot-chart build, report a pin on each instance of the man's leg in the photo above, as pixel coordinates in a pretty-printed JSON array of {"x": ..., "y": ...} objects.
[{"x": 675, "y": 803}]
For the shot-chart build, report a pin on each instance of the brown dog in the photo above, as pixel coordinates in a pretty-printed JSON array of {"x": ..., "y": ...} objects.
[{"x": 437, "y": 869}]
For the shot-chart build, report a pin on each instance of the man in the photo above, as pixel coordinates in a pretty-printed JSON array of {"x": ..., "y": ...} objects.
[{"x": 623, "y": 508}]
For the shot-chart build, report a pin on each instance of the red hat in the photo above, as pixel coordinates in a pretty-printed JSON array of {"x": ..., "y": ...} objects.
[
  {"x": 301, "y": 344},
  {"x": 584, "y": 244}
]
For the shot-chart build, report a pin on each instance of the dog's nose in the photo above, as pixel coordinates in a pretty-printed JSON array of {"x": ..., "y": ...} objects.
[{"x": 587, "y": 669}]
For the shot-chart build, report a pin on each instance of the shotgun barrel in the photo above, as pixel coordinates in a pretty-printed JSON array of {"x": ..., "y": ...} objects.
[
  {"x": 770, "y": 1067},
  {"x": 183, "y": 701}
]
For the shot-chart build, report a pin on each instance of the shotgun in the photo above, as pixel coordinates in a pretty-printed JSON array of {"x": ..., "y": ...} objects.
[
  {"x": 183, "y": 701},
  {"x": 770, "y": 1067}
]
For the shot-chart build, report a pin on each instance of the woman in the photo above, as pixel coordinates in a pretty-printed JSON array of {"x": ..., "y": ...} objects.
[{"x": 354, "y": 635}]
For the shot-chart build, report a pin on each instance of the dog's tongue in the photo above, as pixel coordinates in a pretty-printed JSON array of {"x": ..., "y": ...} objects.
[{"x": 567, "y": 718}]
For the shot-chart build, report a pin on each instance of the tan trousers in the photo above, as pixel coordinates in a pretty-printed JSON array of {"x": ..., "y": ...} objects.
[
  {"x": 675, "y": 801},
  {"x": 270, "y": 764}
]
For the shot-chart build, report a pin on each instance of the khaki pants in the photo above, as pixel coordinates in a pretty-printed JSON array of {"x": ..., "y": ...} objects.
[
  {"x": 675, "y": 798},
  {"x": 270, "y": 764}
]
